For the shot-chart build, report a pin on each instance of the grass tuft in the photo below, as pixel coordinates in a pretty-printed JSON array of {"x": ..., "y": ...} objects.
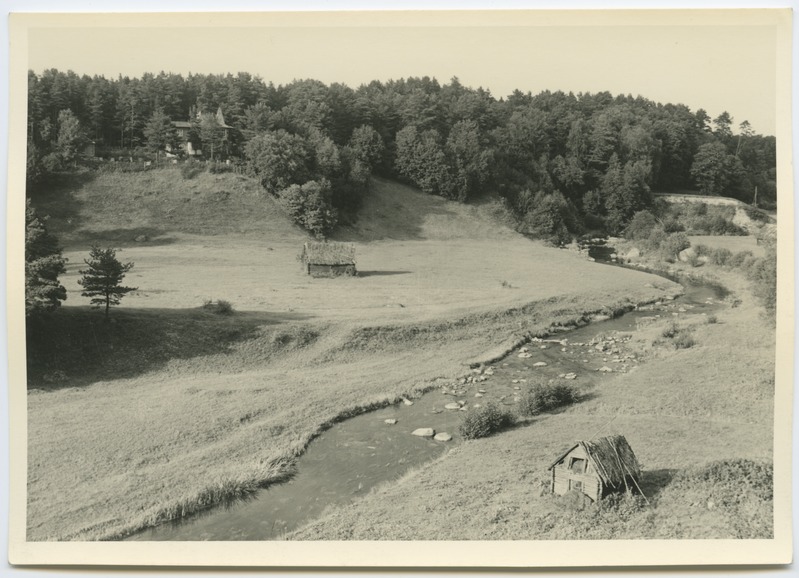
[{"x": 220, "y": 307}]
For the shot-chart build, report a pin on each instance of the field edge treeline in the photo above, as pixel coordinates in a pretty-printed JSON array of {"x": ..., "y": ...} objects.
[{"x": 563, "y": 163}]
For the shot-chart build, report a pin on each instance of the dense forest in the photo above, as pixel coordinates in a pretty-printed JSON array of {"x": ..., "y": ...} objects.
[{"x": 563, "y": 163}]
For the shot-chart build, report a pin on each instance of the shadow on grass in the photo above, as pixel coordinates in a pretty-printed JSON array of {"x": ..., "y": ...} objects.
[
  {"x": 130, "y": 237},
  {"x": 653, "y": 482},
  {"x": 76, "y": 346},
  {"x": 381, "y": 273},
  {"x": 57, "y": 203},
  {"x": 395, "y": 211}
]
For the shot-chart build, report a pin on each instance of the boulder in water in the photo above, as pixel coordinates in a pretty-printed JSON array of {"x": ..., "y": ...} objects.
[
  {"x": 442, "y": 437},
  {"x": 424, "y": 432}
]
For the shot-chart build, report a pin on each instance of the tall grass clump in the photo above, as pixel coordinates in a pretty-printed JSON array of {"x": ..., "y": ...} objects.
[
  {"x": 485, "y": 420},
  {"x": 545, "y": 397},
  {"x": 680, "y": 337},
  {"x": 220, "y": 307}
]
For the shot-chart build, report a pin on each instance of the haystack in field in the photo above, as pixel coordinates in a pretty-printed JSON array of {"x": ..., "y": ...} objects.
[
  {"x": 328, "y": 259},
  {"x": 596, "y": 468}
]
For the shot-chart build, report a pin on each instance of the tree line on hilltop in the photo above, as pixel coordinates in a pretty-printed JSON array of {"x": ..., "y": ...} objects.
[{"x": 563, "y": 163}]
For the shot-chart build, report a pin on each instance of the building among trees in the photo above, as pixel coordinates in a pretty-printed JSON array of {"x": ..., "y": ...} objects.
[{"x": 206, "y": 129}]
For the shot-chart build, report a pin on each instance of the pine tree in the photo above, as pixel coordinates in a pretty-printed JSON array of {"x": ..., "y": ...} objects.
[
  {"x": 43, "y": 265},
  {"x": 160, "y": 133},
  {"x": 102, "y": 280}
]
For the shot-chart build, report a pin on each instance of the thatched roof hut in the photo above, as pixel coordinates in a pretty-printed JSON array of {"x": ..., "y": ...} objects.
[
  {"x": 596, "y": 468},
  {"x": 328, "y": 259}
]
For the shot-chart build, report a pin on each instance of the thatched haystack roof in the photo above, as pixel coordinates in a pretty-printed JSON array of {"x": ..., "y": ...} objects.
[
  {"x": 328, "y": 254},
  {"x": 612, "y": 458}
]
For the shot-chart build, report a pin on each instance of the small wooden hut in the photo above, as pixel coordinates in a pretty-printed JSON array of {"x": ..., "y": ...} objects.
[
  {"x": 596, "y": 468},
  {"x": 328, "y": 259}
]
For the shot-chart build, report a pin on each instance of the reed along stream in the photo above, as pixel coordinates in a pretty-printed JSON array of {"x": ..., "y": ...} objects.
[{"x": 352, "y": 457}]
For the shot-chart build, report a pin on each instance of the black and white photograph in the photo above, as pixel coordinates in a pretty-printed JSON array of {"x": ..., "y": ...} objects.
[{"x": 482, "y": 281}]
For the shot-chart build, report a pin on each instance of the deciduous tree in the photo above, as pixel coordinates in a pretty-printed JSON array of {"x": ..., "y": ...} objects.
[
  {"x": 70, "y": 135},
  {"x": 279, "y": 159}
]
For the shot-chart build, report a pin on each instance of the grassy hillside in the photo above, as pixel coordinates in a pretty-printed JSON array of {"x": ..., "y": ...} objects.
[
  {"x": 699, "y": 419},
  {"x": 162, "y": 205},
  {"x": 400, "y": 213},
  {"x": 169, "y": 407}
]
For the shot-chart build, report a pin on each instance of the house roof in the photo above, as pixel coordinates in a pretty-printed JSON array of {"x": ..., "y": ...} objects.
[
  {"x": 612, "y": 458},
  {"x": 220, "y": 119},
  {"x": 328, "y": 254}
]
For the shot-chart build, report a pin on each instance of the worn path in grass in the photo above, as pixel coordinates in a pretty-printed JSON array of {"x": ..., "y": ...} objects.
[
  {"x": 118, "y": 446},
  {"x": 680, "y": 409}
]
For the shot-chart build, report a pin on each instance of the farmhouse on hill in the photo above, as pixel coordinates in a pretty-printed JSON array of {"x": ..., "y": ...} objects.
[
  {"x": 184, "y": 128},
  {"x": 596, "y": 468},
  {"x": 328, "y": 259}
]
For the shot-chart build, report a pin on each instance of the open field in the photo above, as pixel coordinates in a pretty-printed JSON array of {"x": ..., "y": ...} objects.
[
  {"x": 735, "y": 244},
  {"x": 681, "y": 410},
  {"x": 170, "y": 407}
]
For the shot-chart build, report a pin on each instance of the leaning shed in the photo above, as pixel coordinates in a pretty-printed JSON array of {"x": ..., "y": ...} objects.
[
  {"x": 596, "y": 468},
  {"x": 328, "y": 259}
]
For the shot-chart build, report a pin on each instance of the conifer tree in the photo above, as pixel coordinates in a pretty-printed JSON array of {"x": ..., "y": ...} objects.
[
  {"x": 102, "y": 281},
  {"x": 43, "y": 264}
]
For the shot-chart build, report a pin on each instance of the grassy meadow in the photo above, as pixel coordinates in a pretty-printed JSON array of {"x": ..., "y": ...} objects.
[{"x": 171, "y": 407}]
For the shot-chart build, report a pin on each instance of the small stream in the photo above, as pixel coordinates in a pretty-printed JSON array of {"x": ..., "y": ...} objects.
[{"x": 352, "y": 457}]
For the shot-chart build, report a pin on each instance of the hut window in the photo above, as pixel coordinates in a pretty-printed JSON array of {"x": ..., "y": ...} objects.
[{"x": 577, "y": 465}]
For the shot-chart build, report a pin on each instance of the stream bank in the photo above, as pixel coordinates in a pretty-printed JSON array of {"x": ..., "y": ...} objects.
[{"x": 355, "y": 455}]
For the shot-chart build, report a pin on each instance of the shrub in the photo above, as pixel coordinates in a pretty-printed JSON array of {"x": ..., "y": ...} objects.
[
  {"x": 696, "y": 210},
  {"x": 756, "y": 215},
  {"x": 219, "y": 168},
  {"x": 670, "y": 331},
  {"x": 190, "y": 170},
  {"x": 712, "y": 319},
  {"x": 309, "y": 205},
  {"x": 680, "y": 338},
  {"x": 673, "y": 244},
  {"x": 672, "y": 225},
  {"x": 737, "y": 259},
  {"x": 716, "y": 224},
  {"x": 683, "y": 340},
  {"x": 702, "y": 250},
  {"x": 694, "y": 260},
  {"x": 641, "y": 226},
  {"x": 546, "y": 397},
  {"x": 763, "y": 275},
  {"x": 484, "y": 421},
  {"x": 656, "y": 239},
  {"x": 220, "y": 307},
  {"x": 720, "y": 257}
]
